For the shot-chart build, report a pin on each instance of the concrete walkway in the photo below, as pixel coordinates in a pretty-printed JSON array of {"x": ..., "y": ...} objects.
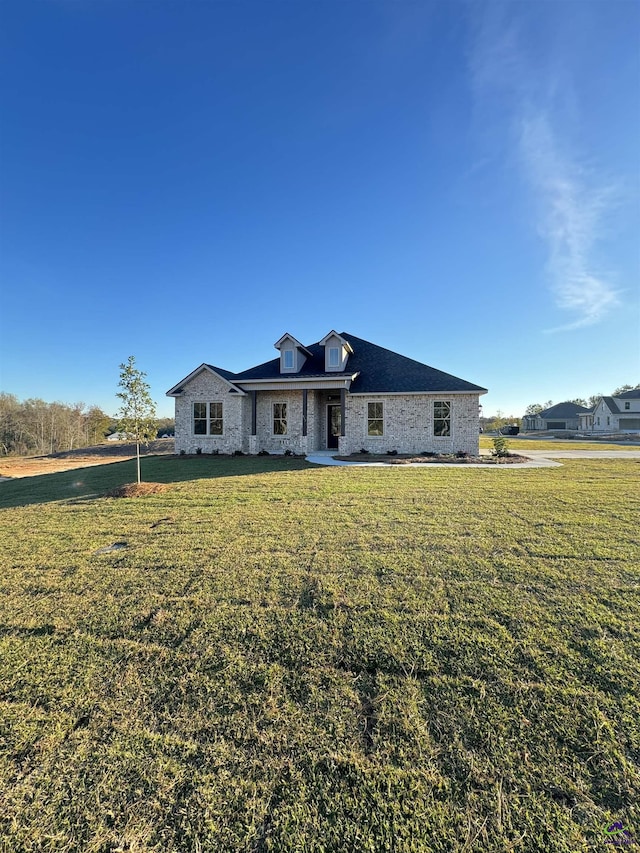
[
  {"x": 536, "y": 459},
  {"x": 325, "y": 457}
]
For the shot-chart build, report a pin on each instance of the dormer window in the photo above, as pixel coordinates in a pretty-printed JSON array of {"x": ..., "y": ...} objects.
[
  {"x": 292, "y": 354},
  {"x": 336, "y": 352}
]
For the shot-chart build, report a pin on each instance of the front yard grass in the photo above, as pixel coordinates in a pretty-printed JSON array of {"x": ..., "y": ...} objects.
[
  {"x": 285, "y": 658},
  {"x": 515, "y": 443}
]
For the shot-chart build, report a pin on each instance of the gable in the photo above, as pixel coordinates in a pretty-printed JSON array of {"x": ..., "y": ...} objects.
[
  {"x": 336, "y": 352},
  {"x": 293, "y": 354},
  {"x": 208, "y": 370},
  {"x": 610, "y": 405}
]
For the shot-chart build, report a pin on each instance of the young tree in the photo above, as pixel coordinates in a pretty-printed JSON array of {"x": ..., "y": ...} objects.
[{"x": 137, "y": 413}]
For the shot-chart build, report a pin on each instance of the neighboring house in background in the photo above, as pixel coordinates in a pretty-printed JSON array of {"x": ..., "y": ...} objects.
[
  {"x": 119, "y": 436},
  {"x": 614, "y": 414},
  {"x": 342, "y": 393},
  {"x": 561, "y": 416}
]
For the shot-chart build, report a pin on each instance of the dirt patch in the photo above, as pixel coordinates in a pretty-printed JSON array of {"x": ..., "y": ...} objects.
[
  {"x": 138, "y": 490},
  {"x": 85, "y": 457}
]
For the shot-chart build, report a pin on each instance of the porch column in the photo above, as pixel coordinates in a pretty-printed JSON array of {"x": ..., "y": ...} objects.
[
  {"x": 343, "y": 398},
  {"x": 304, "y": 412},
  {"x": 254, "y": 395}
]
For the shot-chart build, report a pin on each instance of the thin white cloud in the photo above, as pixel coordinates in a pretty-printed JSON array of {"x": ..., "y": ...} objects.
[
  {"x": 571, "y": 209},
  {"x": 568, "y": 201}
]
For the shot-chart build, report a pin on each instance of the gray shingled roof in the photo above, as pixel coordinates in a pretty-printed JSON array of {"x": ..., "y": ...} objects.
[
  {"x": 634, "y": 394},
  {"x": 226, "y": 374},
  {"x": 613, "y": 406},
  {"x": 563, "y": 410},
  {"x": 380, "y": 371}
]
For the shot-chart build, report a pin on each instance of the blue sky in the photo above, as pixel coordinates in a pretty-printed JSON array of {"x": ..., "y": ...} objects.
[{"x": 185, "y": 182}]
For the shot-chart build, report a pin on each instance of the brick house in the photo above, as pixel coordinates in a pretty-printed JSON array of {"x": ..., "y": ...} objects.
[{"x": 342, "y": 393}]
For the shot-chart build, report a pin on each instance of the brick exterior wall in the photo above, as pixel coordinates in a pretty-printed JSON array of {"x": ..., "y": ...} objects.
[
  {"x": 408, "y": 421},
  {"x": 293, "y": 440},
  {"x": 236, "y": 414},
  {"x": 408, "y": 424}
]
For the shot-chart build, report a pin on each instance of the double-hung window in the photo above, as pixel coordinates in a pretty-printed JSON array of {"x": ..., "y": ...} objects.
[
  {"x": 334, "y": 357},
  {"x": 288, "y": 359},
  {"x": 207, "y": 419},
  {"x": 215, "y": 418},
  {"x": 441, "y": 418},
  {"x": 279, "y": 418},
  {"x": 375, "y": 419}
]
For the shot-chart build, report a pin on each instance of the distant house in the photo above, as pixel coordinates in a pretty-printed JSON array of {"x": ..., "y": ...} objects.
[
  {"x": 614, "y": 414},
  {"x": 342, "y": 393},
  {"x": 561, "y": 416},
  {"x": 119, "y": 436}
]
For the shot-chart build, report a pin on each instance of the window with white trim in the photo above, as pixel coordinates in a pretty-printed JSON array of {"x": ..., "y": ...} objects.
[
  {"x": 375, "y": 419},
  {"x": 207, "y": 419},
  {"x": 288, "y": 359},
  {"x": 279, "y": 418},
  {"x": 442, "y": 418},
  {"x": 627, "y": 406},
  {"x": 334, "y": 357}
]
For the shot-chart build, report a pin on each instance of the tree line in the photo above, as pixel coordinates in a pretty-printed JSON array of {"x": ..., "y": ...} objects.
[{"x": 34, "y": 427}]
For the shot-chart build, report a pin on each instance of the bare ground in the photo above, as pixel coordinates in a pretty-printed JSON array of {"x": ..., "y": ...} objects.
[{"x": 99, "y": 454}]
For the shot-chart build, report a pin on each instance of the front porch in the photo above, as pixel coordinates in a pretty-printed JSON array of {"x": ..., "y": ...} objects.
[{"x": 302, "y": 421}]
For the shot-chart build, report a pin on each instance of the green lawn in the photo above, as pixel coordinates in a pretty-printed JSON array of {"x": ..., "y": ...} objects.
[
  {"x": 289, "y": 658},
  {"x": 515, "y": 443}
]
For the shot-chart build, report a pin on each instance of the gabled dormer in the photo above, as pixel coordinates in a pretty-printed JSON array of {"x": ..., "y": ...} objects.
[
  {"x": 336, "y": 352},
  {"x": 292, "y": 354}
]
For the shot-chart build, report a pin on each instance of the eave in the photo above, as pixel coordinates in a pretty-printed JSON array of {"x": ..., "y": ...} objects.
[
  {"x": 333, "y": 334},
  {"x": 476, "y": 392},
  {"x": 294, "y": 341},
  {"x": 298, "y": 383}
]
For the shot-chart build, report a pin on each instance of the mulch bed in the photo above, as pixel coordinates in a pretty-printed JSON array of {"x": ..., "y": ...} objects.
[
  {"x": 138, "y": 490},
  {"x": 444, "y": 458}
]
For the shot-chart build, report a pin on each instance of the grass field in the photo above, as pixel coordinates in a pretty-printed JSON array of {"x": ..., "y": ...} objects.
[
  {"x": 515, "y": 443},
  {"x": 288, "y": 658}
]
